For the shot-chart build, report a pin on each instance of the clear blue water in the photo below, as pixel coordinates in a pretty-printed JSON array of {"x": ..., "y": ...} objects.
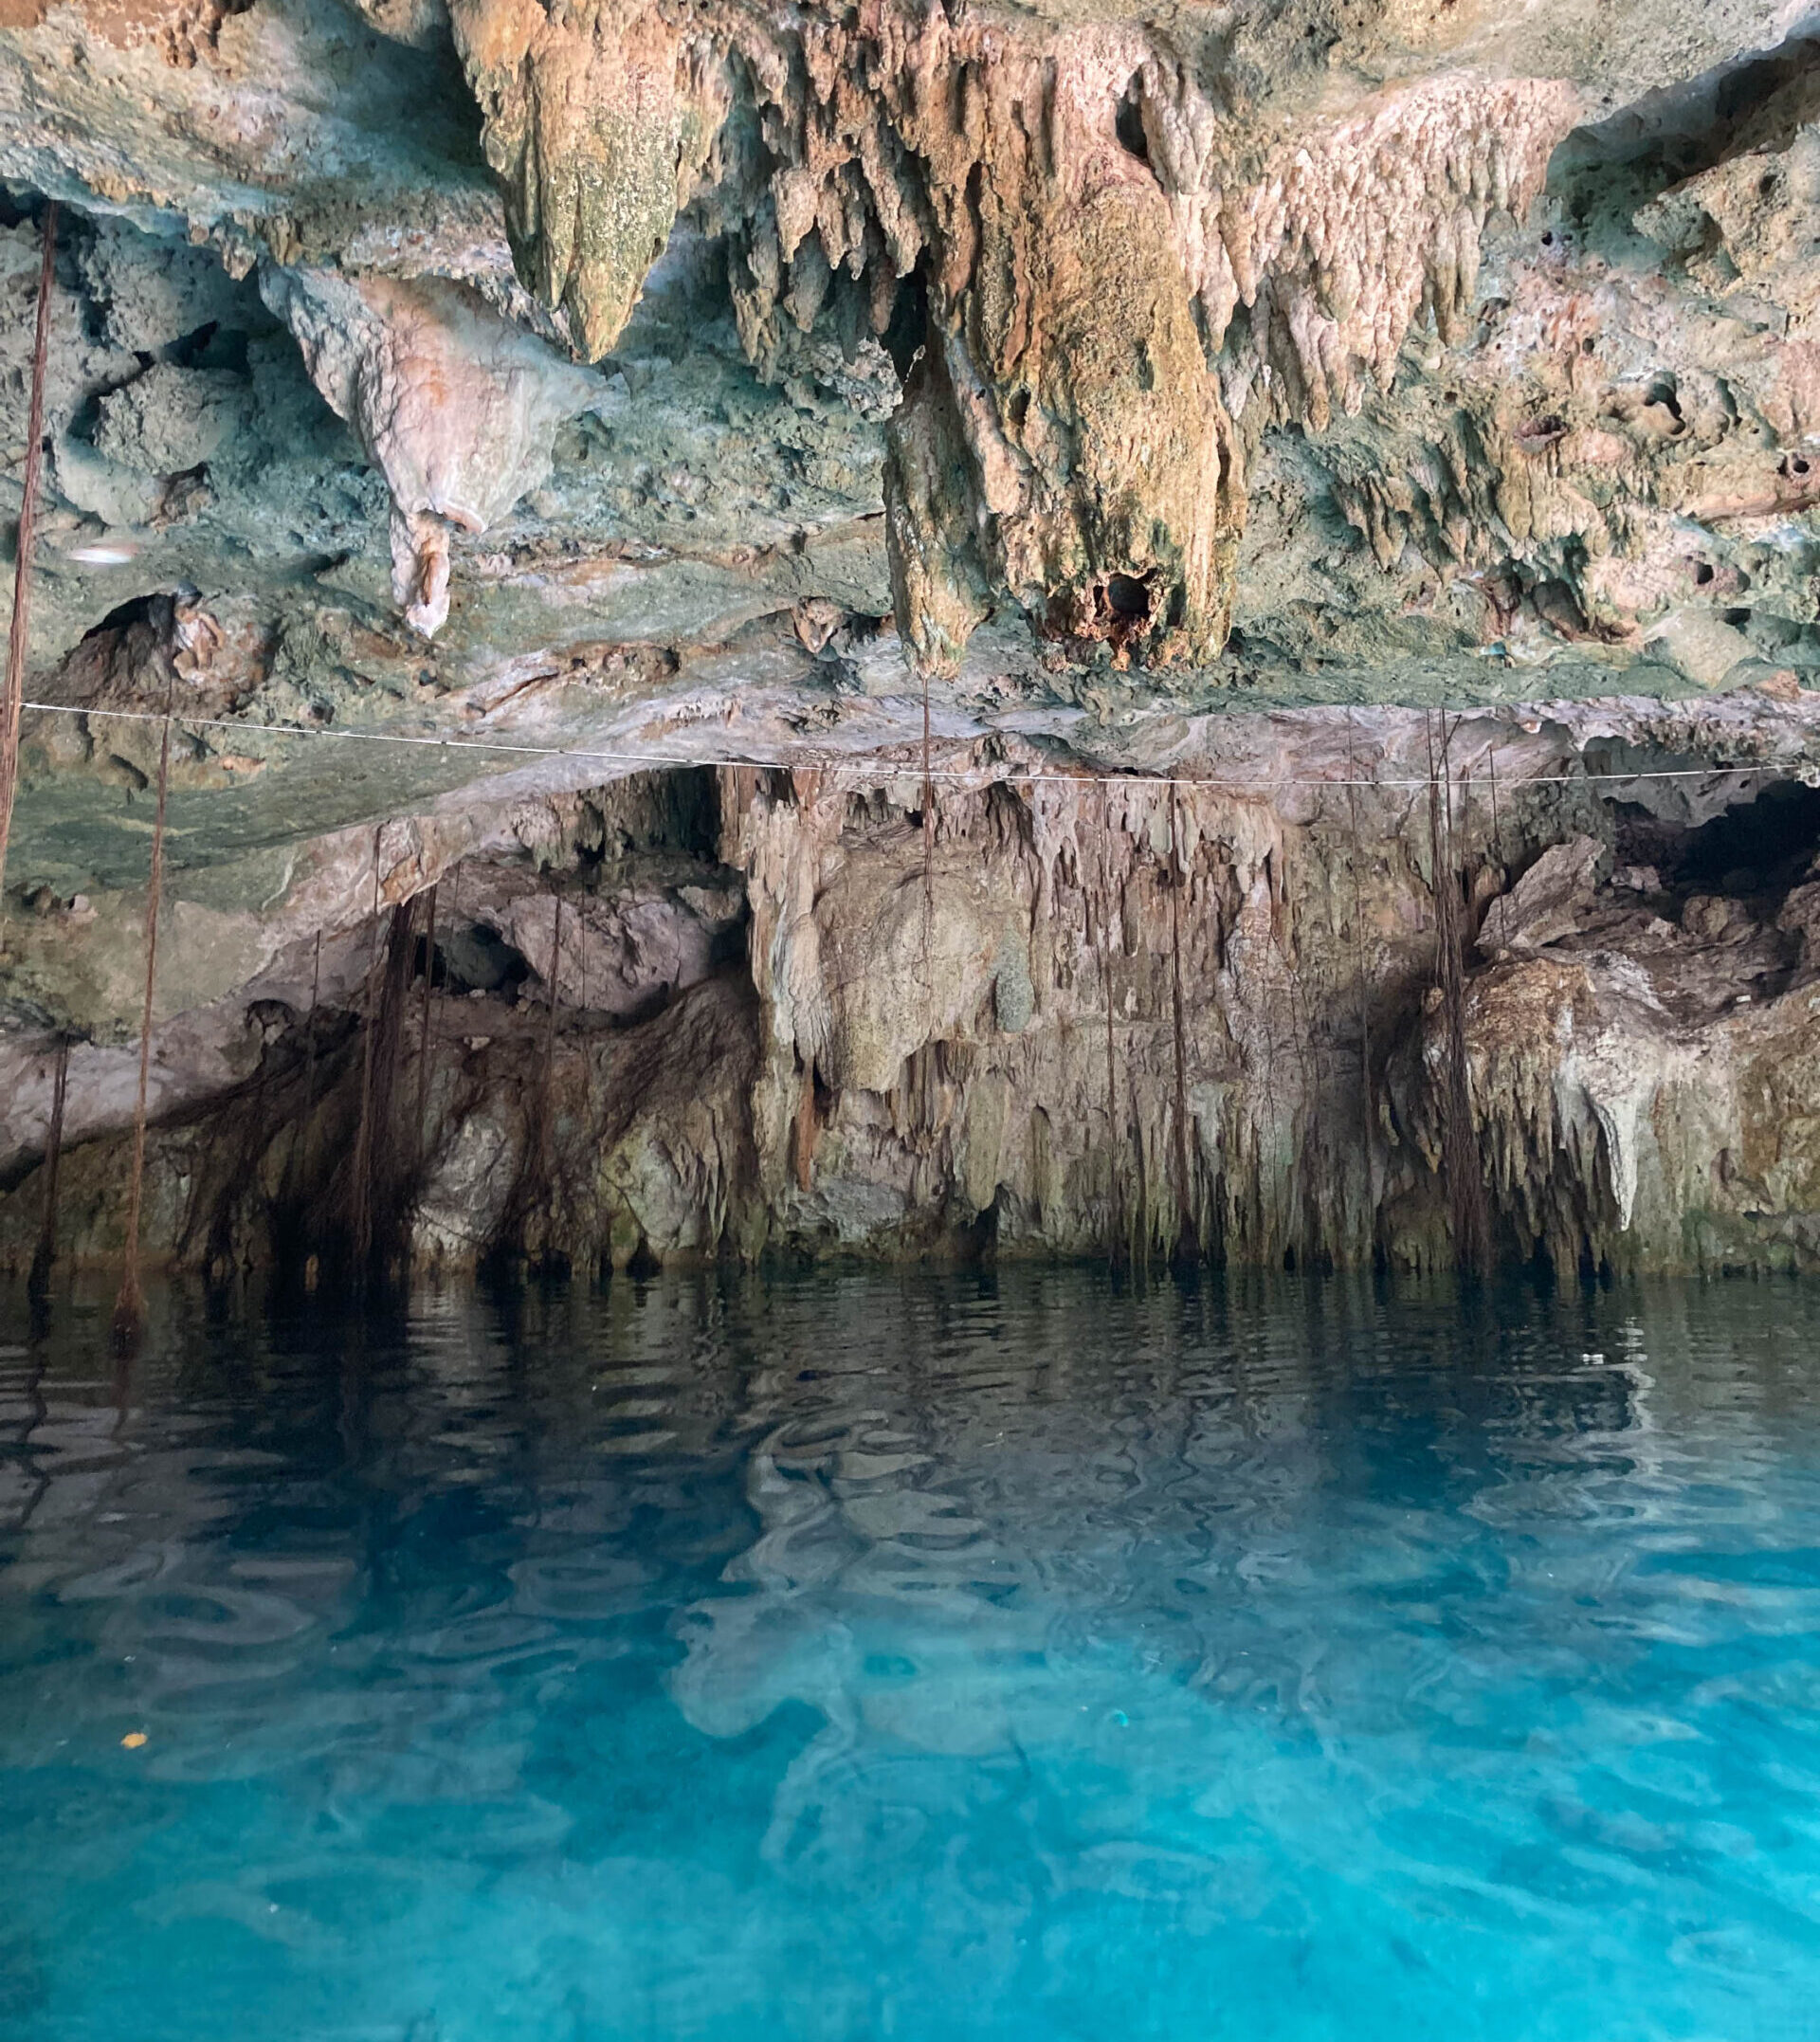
[{"x": 916, "y": 1657}]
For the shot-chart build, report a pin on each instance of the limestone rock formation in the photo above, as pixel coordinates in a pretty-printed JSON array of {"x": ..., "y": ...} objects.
[
  {"x": 746, "y": 1011},
  {"x": 454, "y": 405},
  {"x": 999, "y": 628}
]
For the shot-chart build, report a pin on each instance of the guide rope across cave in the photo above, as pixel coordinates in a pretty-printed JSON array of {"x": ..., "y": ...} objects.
[{"x": 876, "y": 766}]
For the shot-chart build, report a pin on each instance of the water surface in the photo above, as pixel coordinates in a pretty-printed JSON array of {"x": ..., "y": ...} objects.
[{"x": 914, "y": 1657}]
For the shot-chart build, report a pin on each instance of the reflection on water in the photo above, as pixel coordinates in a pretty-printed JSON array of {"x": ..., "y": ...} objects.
[{"x": 920, "y": 1657}]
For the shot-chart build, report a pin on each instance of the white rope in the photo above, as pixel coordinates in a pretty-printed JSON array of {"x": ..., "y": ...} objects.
[{"x": 966, "y": 775}]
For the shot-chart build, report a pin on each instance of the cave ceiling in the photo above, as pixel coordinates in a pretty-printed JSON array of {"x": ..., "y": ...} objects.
[{"x": 628, "y": 383}]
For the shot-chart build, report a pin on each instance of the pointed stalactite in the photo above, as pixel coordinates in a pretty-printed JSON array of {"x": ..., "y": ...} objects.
[
  {"x": 547, "y": 1100},
  {"x": 1188, "y": 1239},
  {"x": 300, "y": 1170},
  {"x": 928, "y": 859},
  {"x": 1501, "y": 907},
  {"x": 128, "y": 1307},
  {"x": 423, "y": 1025},
  {"x": 46, "y": 1252},
  {"x": 1118, "y": 1243},
  {"x": 360, "y": 1224},
  {"x": 1460, "y": 1158},
  {"x": 18, "y": 637},
  {"x": 1367, "y": 1106}
]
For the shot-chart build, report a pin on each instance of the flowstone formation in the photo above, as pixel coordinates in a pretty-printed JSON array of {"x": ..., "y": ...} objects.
[
  {"x": 1057, "y": 226},
  {"x": 454, "y": 406},
  {"x": 918, "y": 629}
]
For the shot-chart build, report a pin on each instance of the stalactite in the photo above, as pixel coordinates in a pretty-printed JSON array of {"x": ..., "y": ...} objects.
[
  {"x": 299, "y": 1163},
  {"x": 423, "y": 1023},
  {"x": 547, "y": 1097},
  {"x": 1188, "y": 1235},
  {"x": 46, "y": 1251},
  {"x": 128, "y": 1307},
  {"x": 18, "y": 638},
  {"x": 1367, "y": 1108},
  {"x": 360, "y": 1189},
  {"x": 1459, "y": 1159},
  {"x": 1117, "y": 1242}
]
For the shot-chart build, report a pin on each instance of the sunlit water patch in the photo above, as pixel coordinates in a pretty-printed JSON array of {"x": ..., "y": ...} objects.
[{"x": 924, "y": 1657}]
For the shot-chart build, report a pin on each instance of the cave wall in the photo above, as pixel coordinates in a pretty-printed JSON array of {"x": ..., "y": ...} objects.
[
  {"x": 798, "y": 1013},
  {"x": 582, "y": 462}
]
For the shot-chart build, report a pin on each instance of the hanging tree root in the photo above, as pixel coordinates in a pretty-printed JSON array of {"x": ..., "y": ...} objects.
[
  {"x": 1368, "y": 1112},
  {"x": 546, "y": 1099},
  {"x": 360, "y": 1186},
  {"x": 384, "y": 1151},
  {"x": 128, "y": 1307},
  {"x": 46, "y": 1255},
  {"x": 423, "y": 1023},
  {"x": 299, "y": 1170},
  {"x": 534, "y": 1188},
  {"x": 18, "y": 637},
  {"x": 1118, "y": 1245}
]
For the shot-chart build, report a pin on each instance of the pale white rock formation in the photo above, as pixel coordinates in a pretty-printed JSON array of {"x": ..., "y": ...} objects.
[{"x": 455, "y": 405}]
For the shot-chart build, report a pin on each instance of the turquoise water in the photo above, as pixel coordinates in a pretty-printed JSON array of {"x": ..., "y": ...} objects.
[{"x": 916, "y": 1657}]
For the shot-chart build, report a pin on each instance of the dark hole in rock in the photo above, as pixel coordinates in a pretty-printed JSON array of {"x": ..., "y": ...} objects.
[
  {"x": 1127, "y": 597},
  {"x": 908, "y": 330},
  {"x": 1738, "y": 619},
  {"x": 1128, "y": 122},
  {"x": 478, "y": 959},
  {"x": 135, "y": 610},
  {"x": 1703, "y": 573},
  {"x": 1541, "y": 431},
  {"x": 190, "y": 349},
  {"x": 424, "y": 957},
  {"x": 1793, "y": 465},
  {"x": 1663, "y": 391},
  {"x": 1758, "y": 847}
]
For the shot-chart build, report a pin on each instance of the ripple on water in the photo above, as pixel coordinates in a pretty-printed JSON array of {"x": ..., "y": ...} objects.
[{"x": 922, "y": 1657}]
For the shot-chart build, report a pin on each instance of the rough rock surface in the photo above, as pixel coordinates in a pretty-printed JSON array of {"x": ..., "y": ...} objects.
[
  {"x": 574, "y": 453},
  {"x": 1189, "y": 1011}
]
